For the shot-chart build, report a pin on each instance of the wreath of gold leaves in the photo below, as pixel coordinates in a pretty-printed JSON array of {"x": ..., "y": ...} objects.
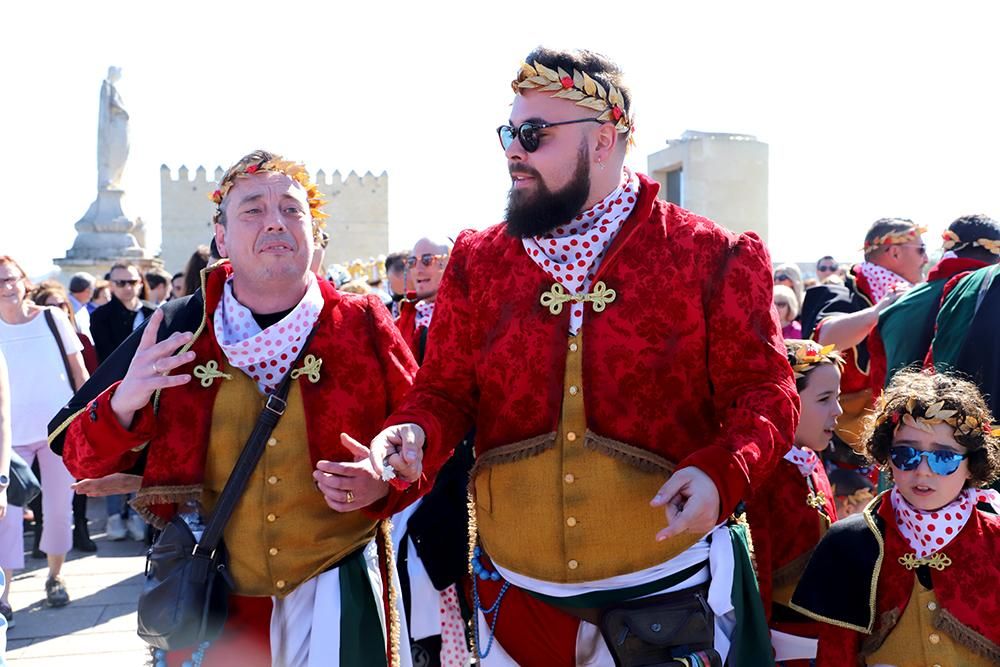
[
  {"x": 809, "y": 355},
  {"x": 294, "y": 170},
  {"x": 934, "y": 414},
  {"x": 951, "y": 239},
  {"x": 896, "y": 238},
  {"x": 579, "y": 87}
]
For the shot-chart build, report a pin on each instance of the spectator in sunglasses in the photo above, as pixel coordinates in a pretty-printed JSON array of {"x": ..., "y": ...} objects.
[
  {"x": 790, "y": 276},
  {"x": 920, "y": 546},
  {"x": 589, "y": 378},
  {"x": 425, "y": 266},
  {"x": 396, "y": 278},
  {"x": 110, "y": 325},
  {"x": 826, "y": 267},
  {"x": 788, "y": 309}
]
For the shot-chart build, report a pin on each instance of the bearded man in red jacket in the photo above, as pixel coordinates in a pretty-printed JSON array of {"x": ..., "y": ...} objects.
[{"x": 625, "y": 372}]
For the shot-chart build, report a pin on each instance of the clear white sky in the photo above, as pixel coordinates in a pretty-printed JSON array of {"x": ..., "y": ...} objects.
[{"x": 870, "y": 108}]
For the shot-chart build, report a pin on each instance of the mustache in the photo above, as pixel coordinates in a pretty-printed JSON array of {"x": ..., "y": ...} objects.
[
  {"x": 523, "y": 169},
  {"x": 275, "y": 238}
]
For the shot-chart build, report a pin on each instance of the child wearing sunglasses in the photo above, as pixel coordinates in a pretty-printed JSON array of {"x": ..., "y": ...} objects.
[
  {"x": 913, "y": 579},
  {"x": 794, "y": 507}
]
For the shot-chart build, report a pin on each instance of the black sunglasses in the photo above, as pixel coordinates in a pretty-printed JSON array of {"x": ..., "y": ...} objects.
[
  {"x": 783, "y": 276},
  {"x": 125, "y": 283},
  {"x": 528, "y": 132},
  {"x": 426, "y": 259},
  {"x": 827, "y": 268},
  {"x": 941, "y": 461}
]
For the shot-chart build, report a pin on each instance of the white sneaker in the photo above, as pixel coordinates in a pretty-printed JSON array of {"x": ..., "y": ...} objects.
[
  {"x": 136, "y": 528},
  {"x": 115, "y": 528}
]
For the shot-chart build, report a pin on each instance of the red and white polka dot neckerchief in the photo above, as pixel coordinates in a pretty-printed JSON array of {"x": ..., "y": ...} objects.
[
  {"x": 425, "y": 311},
  {"x": 804, "y": 459},
  {"x": 265, "y": 355},
  {"x": 929, "y": 532},
  {"x": 881, "y": 280},
  {"x": 572, "y": 253}
]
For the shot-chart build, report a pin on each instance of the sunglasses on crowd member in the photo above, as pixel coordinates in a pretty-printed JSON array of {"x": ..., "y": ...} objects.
[
  {"x": 826, "y": 268},
  {"x": 529, "y": 133},
  {"x": 941, "y": 461},
  {"x": 125, "y": 283},
  {"x": 783, "y": 276},
  {"x": 782, "y": 304},
  {"x": 426, "y": 259}
]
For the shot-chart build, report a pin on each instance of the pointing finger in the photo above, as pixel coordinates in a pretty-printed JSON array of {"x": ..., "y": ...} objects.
[
  {"x": 359, "y": 451},
  {"x": 148, "y": 338}
]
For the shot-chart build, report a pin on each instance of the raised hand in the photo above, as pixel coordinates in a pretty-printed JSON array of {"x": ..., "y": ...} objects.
[
  {"x": 692, "y": 503},
  {"x": 352, "y": 485},
  {"x": 402, "y": 448},
  {"x": 150, "y": 370}
]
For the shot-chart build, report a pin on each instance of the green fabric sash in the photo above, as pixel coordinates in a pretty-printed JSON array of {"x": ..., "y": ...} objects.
[
  {"x": 956, "y": 313},
  {"x": 751, "y": 640},
  {"x": 362, "y": 641},
  {"x": 907, "y": 327}
]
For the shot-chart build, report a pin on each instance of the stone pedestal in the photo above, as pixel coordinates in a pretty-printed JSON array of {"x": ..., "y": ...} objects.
[{"x": 105, "y": 235}]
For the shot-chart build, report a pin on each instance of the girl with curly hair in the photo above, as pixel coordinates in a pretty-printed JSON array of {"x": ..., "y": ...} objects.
[{"x": 896, "y": 584}]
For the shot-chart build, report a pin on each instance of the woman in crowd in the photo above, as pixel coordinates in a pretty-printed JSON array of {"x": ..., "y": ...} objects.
[
  {"x": 39, "y": 387},
  {"x": 52, "y": 294},
  {"x": 790, "y": 276},
  {"x": 788, "y": 311},
  {"x": 794, "y": 507},
  {"x": 912, "y": 580}
]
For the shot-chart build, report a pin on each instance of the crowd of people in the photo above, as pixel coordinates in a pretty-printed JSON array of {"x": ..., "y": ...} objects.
[{"x": 604, "y": 432}]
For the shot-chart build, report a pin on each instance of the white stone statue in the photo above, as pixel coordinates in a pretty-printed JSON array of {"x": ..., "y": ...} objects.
[{"x": 112, "y": 134}]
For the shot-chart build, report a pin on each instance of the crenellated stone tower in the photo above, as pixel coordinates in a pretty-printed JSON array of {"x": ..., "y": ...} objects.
[{"x": 358, "y": 206}]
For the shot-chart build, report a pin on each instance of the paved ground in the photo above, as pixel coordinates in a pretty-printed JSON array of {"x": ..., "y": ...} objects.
[{"x": 99, "y": 623}]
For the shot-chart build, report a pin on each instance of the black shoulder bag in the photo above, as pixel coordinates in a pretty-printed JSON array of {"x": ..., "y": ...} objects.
[{"x": 185, "y": 599}]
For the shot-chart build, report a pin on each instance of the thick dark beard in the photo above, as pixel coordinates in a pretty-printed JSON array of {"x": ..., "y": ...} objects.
[{"x": 543, "y": 210}]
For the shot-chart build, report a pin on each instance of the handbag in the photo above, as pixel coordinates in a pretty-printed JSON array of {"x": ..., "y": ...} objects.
[
  {"x": 24, "y": 486},
  {"x": 659, "y": 629},
  {"x": 185, "y": 599}
]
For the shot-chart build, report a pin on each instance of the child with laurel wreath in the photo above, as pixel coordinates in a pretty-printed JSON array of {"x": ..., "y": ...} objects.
[
  {"x": 897, "y": 584},
  {"x": 794, "y": 507}
]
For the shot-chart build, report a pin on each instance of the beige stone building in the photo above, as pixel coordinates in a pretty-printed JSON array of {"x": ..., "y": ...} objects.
[
  {"x": 358, "y": 206},
  {"x": 723, "y": 177}
]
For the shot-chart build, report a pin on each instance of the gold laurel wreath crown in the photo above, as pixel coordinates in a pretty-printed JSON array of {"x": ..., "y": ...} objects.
[
  {"x": 933, "y": 414},
  {"x": 951, "y": 239},
  {"x": 579, "y": 87},
  {"x": 294, "y": 170},
  {"x": 809, "y": 354},
  {"x": 895, "y": 238}
]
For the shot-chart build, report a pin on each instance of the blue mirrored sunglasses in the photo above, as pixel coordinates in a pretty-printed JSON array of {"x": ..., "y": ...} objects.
[{"x": 940, "y": 461}]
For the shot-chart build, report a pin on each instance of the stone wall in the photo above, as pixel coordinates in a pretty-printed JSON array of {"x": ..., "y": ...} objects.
[{"x": 358, "y": 206}]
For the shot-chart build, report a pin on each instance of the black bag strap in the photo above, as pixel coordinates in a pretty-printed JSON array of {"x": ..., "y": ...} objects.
[
  {"x": 51, "y": 321},
  {"x": 274, "y": 407}
]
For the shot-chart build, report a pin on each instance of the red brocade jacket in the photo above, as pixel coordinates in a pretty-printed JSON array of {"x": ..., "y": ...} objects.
[
  {"x": 858, "y": 581},
  {"x": 367, "y": 368},
  {"x": 788, "y": 515},
  {"x": 687, "y": 362}
]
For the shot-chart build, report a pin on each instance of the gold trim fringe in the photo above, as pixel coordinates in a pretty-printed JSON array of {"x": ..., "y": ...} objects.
[{"x": 965, "y": 635}]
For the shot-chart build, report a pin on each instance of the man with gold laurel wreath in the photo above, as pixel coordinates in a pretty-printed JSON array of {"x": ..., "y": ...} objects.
[
  {"x": 309, "y": 565},
  {"x": 624, "y": 369}
]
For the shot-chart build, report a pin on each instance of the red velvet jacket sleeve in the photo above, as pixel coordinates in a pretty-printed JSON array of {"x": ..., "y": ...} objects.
[
  {"x": 753, "y": 385},
  {"x": 838, "y": 647},
  {"x": 444, "y": 400},
  {"x": 97, "y": 444},
  {"x": 398, "y": 369}
]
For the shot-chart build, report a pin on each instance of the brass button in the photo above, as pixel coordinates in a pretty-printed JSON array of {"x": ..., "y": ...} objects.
[
  {"x": 935, "y": 665},
  {"x": 932, "y": 606},
  {"x": 572, "y": 565},
  {"x": 271, "y": 518},
  {"x": 272, "y": 442},
  {"x": 573, "y": 347},
  {"x": 273, "y": 551},
  {"x": 574, "y": 390},
  {"x": 934, "y": 638},
  {"x": 569, "y": 478},
  {"x": 280, "y": 583},
  {"x": 571, "y": 436},
  {"x": 571, "y": 521},
  {"x": 273, "y": 479}
]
